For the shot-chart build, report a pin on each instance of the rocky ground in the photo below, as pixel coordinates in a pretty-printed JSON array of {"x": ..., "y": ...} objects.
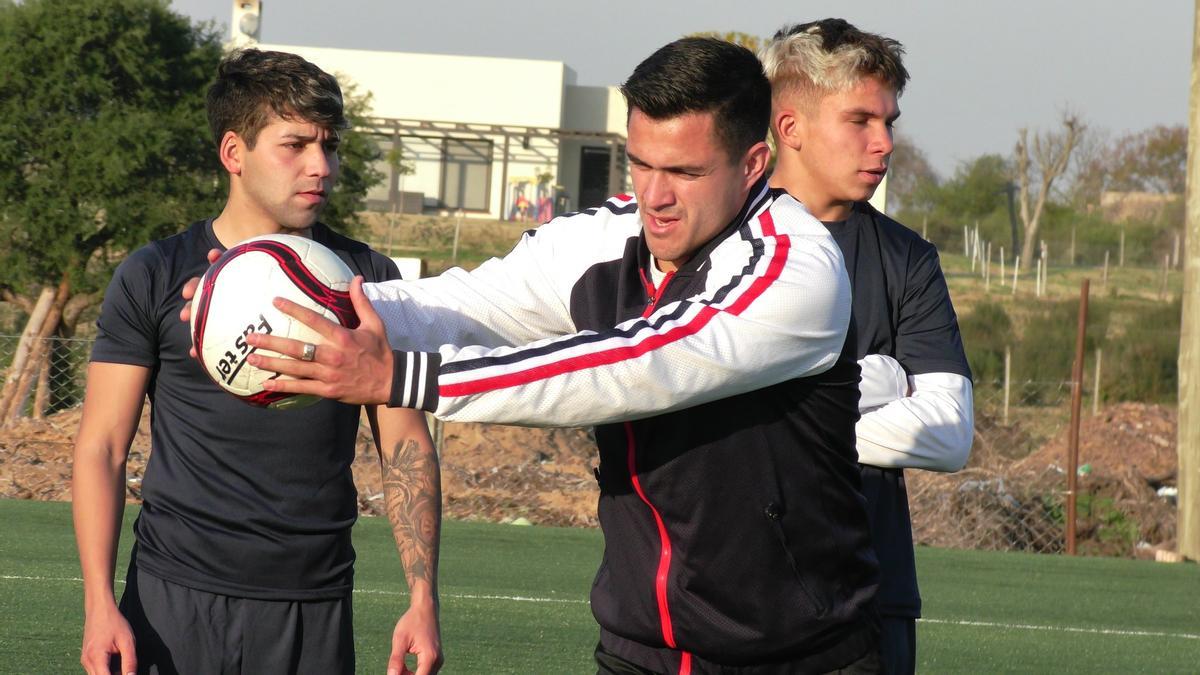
[
  {"x": 492, "y": 473},
  {"x": 500, "y": 474}
]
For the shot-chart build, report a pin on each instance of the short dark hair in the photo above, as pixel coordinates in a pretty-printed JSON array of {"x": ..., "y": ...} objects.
[
  {"x": 252, "y": 84},
  {"x": 704, "y": 74}
]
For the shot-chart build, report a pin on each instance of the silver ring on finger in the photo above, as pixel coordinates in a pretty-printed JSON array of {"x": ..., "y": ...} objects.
[{"x": 309, "y": 353}]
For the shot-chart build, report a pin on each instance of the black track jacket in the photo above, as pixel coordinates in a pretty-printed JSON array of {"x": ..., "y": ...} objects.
[{"x": 735, "y": 534}]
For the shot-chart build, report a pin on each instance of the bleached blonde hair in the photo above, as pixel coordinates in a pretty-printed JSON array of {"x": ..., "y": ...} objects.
[{"x": 830, "y": 56}]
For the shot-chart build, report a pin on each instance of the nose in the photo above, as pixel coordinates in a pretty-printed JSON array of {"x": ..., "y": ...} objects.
[
  {"x": 319, "y": 162},
  {"x": 883, "y": 143},
  {"x": 656, "y": 190}
]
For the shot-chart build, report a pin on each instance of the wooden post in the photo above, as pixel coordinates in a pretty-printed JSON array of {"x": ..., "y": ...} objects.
[
  {"x": 1175, "y": 252},
  {"x": 1017, "y": 263},
  {"x": 1162, "y": 287},
  {"x": 1003, "y": 279},
  {"x": 1188, "y": 524},
  {"x": 41, "y": 397},
  {"x": 1045, "y": 275},
  {"x": 987, "y": 269},
  {"x": 966, "y": 242},
  {"x": 504, "y": 181},
  {"x": 25, "y": 346},
  {"x": 1037, "y": 280},
  {"x": 1076, "y": 399},
  {"x": 1121, "y": 249},
  {"x": 1096, "y": 386},
  {"x": 1071, "y": 257},
  {"x": 12, "y": 407},
  {"x": 925, "y": 227},
  {"x": 458, "y": 216},
  {"x": 1104, "y": 279},
  {"x": 1007, "y": 379}
]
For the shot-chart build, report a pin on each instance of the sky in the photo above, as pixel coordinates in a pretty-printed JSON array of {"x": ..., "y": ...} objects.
[{"x": 980, "y": 70}]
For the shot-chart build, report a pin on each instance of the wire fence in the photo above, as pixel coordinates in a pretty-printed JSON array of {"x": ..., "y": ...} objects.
[
  {"x": 1011, "y": 496},
  {"x": 54, "y": 382}
]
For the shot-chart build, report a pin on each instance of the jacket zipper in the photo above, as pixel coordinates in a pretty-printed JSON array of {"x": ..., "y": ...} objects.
[{"x": 664, "y": 558}]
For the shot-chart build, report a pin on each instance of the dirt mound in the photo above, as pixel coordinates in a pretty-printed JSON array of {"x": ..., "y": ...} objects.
[
  {"x": 489, "y": 472},
  {"x": 1129, "y": 441},
  {"x": 1126, "y": 454}
]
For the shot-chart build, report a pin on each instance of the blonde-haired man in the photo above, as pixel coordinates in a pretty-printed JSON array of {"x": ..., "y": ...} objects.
[{"x": 834, "y": 103}]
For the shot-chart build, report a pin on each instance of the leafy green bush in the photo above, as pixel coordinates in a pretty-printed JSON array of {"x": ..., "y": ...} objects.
[
  {"x": 1141, "y": 363},
  {"x": 986, "y": 331},
  {"x": 1043, "y": 358}
]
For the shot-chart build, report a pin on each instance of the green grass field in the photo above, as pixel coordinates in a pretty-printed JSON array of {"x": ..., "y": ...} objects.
[{"x": 514, "y": 600}]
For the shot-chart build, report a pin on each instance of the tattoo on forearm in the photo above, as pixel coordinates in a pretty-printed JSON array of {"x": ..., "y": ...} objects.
[{"x": 412, "y": 486}]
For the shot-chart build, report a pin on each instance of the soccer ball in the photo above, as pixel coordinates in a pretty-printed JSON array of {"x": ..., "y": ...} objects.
[{"x": 234, "y": 300}]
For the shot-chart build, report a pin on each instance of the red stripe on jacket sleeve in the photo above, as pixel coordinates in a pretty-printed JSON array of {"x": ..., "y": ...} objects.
[{"x": 655, "y": 341}]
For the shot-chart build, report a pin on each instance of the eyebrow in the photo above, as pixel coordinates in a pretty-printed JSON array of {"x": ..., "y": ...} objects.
[
  {"x": 869, "y": 113},
  {"x": 679, "y": 169},
  {"x": 309, "y": 138}
]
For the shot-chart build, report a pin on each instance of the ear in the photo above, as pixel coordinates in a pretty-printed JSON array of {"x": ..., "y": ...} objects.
[
  {"x": 755, "y": 163},
  {"x": 789, "y": 126},
  {"x": 231, "y": 152}
]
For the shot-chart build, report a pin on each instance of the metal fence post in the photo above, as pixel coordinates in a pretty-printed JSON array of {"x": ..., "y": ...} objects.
[{"x": 1076, "y": 397}]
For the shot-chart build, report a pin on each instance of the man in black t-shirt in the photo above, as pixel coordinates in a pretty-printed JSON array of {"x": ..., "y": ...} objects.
[
  {"x": 242, "y": 560},
  {"x": 834, "y": 102}
]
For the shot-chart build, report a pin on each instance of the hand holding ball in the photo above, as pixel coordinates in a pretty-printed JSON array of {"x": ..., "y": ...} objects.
[{"x": 234, "y": 299}]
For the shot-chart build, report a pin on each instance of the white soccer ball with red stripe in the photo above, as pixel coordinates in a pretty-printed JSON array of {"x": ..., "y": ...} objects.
[{"x": 234, "y": 300}]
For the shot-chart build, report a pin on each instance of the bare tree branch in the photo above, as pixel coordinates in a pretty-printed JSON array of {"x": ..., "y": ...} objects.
[{"x": 1050, "y": 152}]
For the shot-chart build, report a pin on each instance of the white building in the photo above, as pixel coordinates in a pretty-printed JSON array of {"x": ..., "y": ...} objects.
[
  {"x": 495, "y": 137},
  {"x": 512, "y": 138}
]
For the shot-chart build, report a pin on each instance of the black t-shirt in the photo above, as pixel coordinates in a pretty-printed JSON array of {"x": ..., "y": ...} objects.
[
  {"x": 238, "y": 500},
  {"x": 901, "y": 309}
]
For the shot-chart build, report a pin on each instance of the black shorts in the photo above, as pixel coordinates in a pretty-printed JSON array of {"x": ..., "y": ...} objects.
[
  {"x": 183, "y": 630},
  {"x": 608, "y": 663}
]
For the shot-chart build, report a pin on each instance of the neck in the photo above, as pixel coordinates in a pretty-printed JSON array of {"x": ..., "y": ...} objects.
[
  {"x": 241, "y": 220},
  {"x": 791, "y": 175}
]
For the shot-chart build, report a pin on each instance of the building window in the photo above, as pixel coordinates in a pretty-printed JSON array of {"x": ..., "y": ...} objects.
[{"x": 466, "y": 173}]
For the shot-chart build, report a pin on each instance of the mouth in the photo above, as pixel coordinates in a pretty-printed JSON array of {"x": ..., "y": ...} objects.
[
  {"x": 873, "y": 176},
  {"x": 312, "y": 196},
  {"x": 659, "y": 223}
]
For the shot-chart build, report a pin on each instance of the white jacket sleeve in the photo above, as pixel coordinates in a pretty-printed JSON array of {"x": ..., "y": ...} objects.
[
  {"x": 883, "y": 381},
  {"x": 931, "y": 429},
  {"x": 497, "y": 345}
]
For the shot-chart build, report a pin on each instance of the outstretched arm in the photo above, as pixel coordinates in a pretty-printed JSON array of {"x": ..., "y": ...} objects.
[
  {"x": 413, "y": 495},
  {"x": 112, "y": 407},
  {"x": 775, "y": 307}
]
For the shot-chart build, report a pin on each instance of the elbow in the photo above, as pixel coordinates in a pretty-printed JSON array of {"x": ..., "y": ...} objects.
[
  {"x": 957, "y": 455},
  {"x": 958, "y": 444}
]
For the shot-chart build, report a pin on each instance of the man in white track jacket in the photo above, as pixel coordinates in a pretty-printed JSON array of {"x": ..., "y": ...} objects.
[{"x": 700, "y": 327}]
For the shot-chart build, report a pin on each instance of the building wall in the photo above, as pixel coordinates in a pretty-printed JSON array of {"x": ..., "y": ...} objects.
[
  {"x": 589, "y": 109},
  {"x": 448, "y": 88}
]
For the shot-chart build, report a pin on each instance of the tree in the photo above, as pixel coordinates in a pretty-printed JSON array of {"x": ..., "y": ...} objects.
[
  {"x": 976, "y": 189},
  {"x": 1151, "y": 160},
  {"x": 105, "y": 146},
  {"x": 912, "y": 180},
  {"x": 1042, "y": 161}
]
